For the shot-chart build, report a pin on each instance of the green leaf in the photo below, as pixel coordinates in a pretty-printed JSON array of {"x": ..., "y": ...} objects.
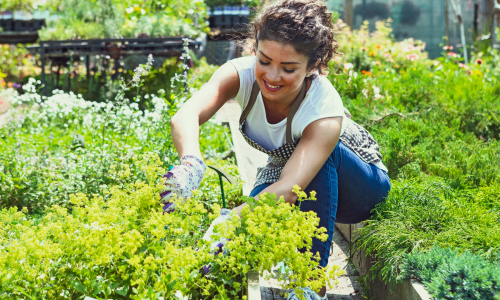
[
  {"x": 80, "y": 287},
  {"x": 122, "y": 291}
]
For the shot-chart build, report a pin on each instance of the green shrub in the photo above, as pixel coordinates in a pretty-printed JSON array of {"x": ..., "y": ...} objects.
[
  {"x": 422, "y": 212},
  {"x": 447, "y": 274},
  {"x": 127, "y": 248},
  {"x": 65, "y": 144}
]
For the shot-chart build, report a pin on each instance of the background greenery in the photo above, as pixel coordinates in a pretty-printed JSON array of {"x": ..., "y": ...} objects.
[{"x": 437, "y": 123}]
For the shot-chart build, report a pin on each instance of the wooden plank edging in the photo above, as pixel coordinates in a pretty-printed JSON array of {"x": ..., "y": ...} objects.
[
  {"x": 253, "y": 286},
  {"x": 378, "y": 289}
]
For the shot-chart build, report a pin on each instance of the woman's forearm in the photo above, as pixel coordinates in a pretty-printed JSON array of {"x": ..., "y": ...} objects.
[
  {"x": 185, "y": 130},
  {"x": 185, "y": 124}
]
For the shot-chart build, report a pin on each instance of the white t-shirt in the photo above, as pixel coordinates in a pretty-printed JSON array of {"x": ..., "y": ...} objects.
[{"x": 321, "y": 101}]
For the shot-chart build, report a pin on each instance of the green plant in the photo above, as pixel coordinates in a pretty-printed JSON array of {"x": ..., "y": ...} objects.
[
  {"x": 420, "y": 213},
  {"x": 450, "y": 275},
  {"x": 118, "y": 18},
  {"x": 16, "y": 63},
  {"x": 64, "y": 144},
  {"x": 125, "y": 247}
]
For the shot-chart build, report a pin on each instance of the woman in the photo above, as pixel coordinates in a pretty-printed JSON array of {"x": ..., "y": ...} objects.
[{"x": 292, "y": 113}]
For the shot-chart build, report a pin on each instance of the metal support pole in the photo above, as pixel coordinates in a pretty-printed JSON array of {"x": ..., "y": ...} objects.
[
  {"x": 446, "y": 24},
  {"x": 364, "y": 11},
  {"x": 348, "y": 14},
  {"x": 42, "y": 58},
  {"x": 458, "y": 12},
  {"x": 57, "y": 78},
  {"x": 87, "y": 66}
]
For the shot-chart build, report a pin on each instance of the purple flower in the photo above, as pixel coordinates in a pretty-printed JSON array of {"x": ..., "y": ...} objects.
[
  {"x": 206, "y": 269},
  {"x": 17, "y": 85},
  {"x": 219, "y": 249}
]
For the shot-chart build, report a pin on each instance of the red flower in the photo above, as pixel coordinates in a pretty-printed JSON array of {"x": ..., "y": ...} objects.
[{"x": 479, "y": 61}]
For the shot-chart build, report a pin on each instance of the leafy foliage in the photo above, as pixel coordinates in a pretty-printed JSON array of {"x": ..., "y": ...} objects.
[
  {"x": 417, "y": 215},
  {"x": 125, "y": 247},
  {"x": 450, "y": 275},
  {"x": 438, "y": 128},
  {"x": 65, "y": 144},
  {"x": 15, "y": 64},
  {"x": 118, "y": 18}
]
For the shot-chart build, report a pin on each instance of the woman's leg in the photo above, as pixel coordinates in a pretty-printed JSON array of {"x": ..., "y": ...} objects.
[
  {"x": 347, "y": 189},
  {"x": 361, "y": 187}
]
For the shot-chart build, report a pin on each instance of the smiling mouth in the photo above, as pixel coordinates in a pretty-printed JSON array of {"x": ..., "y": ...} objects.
[{"x": 272, "y": 88}]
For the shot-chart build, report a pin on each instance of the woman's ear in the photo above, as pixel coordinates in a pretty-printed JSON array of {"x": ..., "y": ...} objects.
[{"x": 313, "y": 68}]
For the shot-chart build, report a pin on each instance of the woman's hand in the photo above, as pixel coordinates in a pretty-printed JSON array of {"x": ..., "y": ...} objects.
[
  {"x": 182, "y": 179},
  {"x": 238, "y": 209}
]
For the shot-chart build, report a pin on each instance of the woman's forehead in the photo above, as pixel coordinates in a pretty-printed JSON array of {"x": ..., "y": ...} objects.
[{"x": 280, "y": 52}]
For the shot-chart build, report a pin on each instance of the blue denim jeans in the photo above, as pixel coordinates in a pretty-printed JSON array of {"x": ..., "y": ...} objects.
[{"x": 347, "y": 190}]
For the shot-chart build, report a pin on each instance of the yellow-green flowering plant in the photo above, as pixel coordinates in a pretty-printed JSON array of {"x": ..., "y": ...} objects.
[{"x": 127, "y": 248}]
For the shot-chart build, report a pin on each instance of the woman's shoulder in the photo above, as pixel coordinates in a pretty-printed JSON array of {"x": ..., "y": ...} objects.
[
  {"x": 243, "y": 63},
  {"x": 245, "y": 68},
  {"x": 322, "y": 90}
]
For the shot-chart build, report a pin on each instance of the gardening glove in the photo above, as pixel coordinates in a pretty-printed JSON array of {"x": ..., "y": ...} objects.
[
  {"x": 216, "y": 243},
  {"x": 181, "y": 180}
]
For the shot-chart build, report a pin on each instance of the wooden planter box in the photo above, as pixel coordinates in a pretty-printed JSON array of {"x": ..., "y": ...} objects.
[{"x": 378, "y": 289}]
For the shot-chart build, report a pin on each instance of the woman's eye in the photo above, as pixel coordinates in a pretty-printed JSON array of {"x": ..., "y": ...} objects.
[
  {"x": 263, "y": 63},
  {"x": 289, "y": 71}
]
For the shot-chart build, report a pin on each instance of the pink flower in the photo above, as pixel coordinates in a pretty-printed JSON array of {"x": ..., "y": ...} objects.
[
  {"x": 412, "y": 56},
  {"x": 461, "y": 65},
  {"x": 452, "y": 54},
  {"x": 448, "y": 48}
]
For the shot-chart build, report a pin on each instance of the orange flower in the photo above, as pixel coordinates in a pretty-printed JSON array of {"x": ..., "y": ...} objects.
[
  {"x": 367, "y": 73},
  {"x": 363, "y": 49},
  {"x": 378, "y": 46}
]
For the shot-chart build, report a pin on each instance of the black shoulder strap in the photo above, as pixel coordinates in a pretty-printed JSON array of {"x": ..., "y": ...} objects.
[
  {"x": 293, "y": 109},
  {"x": 251, "y": 102},
  {"x": 291, "y": 113}
]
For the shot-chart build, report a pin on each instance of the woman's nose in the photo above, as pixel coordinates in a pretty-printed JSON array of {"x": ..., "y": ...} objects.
[{"x": 273, "y": 75}]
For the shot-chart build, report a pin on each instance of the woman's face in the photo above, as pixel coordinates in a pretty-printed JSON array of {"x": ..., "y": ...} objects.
[{"x": 279, "y": 71}]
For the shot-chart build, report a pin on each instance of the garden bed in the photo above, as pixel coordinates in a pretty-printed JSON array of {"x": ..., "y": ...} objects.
[{"x": 378, "y": 289}]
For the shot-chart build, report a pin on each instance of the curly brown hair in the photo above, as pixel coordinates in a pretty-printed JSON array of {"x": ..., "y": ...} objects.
[{"x": 306, "y": 25}]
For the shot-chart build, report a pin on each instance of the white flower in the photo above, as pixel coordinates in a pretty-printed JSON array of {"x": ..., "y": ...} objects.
[
  {"x": 348, "y": 66},
  {"x": 365, "y": 92}
]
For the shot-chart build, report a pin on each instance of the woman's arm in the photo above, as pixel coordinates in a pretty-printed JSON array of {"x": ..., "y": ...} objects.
[
  {"x": 318, "y": 141},
  {"x": 185, "y": 124}
]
